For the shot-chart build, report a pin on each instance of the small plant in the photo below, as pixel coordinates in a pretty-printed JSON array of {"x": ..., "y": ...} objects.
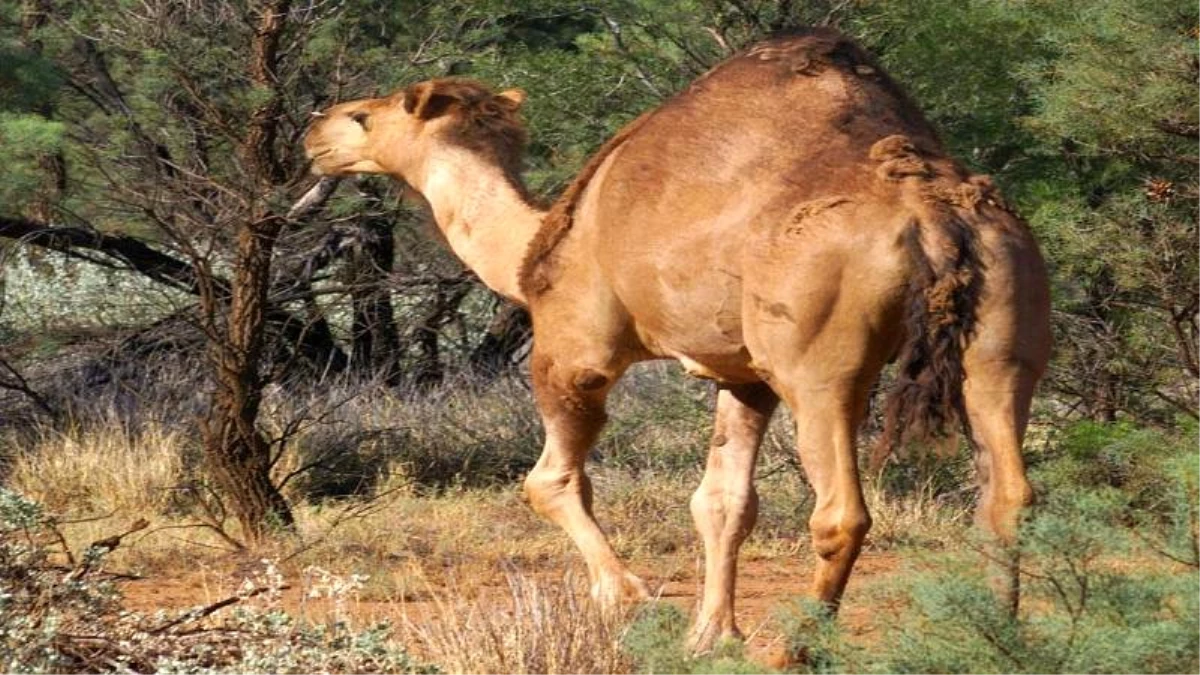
[
  {"x": 656, "y": 641},
  {"x": 541, "y": 626},
  {"x": 1109, "y": 580},
  {"x": 67, "y": 618}
]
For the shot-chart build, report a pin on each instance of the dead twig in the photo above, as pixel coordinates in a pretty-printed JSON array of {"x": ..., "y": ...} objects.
[
  {"x": 209, "y": 610},
  {"x": 97, "y": 549},
  {"x": 312, "y": 200}
]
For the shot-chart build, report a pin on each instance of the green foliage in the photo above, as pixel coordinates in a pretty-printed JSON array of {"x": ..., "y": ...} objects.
[
  {"x": 1108, "y": 569},
  {"x": 1134, "y": 459},
  {"x": 1114, "y": 203},
  {"x": 656, "y": 640},
  {"x": 815, "y": 641},
  {"x": 956, "y": 60},
  {"x": 1119, "y": 71},
  {"x": 27, "y": 139},
  {"x": 27, "y": 81}
]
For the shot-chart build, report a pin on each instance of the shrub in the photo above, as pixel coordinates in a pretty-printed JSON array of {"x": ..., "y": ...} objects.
[
  {"x": 657, "y": 639},
  {"x": 1108, "y": 567},
  {"x": 67, "y": 618},
  {"x": 100, "y": 469},
  {"x": 1138, "y": 461}
]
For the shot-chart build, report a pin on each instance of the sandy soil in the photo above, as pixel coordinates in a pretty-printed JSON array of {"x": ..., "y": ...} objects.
[{"x": 765, "y": 586}]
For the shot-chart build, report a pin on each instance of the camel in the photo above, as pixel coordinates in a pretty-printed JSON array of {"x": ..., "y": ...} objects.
[{"x": 785, "y": 227}]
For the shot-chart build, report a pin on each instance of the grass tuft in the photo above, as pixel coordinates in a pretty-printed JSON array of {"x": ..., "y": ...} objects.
[{"x": 540, "y": 625}]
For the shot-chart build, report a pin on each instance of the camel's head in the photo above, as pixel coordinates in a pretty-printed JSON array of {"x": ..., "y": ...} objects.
[{"x": 398, "y": 133}]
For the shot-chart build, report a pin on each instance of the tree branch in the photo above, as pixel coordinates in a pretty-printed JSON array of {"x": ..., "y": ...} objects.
[{"x": 137, "y": 256}]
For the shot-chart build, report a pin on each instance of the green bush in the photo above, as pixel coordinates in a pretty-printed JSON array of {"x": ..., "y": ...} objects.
[
  {"x": 657, "y": 639},
  {"x": 1108, "y": 572},
  {"x": 1120, "y": 455}
]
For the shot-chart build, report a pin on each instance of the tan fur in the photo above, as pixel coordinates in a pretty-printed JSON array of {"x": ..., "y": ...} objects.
[
  {"x": 485, "y": 123},
  {"x": 535, "y": 272},
  {"x": 785, "y": 226}
]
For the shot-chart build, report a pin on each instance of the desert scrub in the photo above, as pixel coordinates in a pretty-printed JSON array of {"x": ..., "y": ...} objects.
[
  {"x": 541, "y": 625},
  {"x": 348, "y": 438},
  {"x": 659, "y": 419},
  {"x": 45, "y": 291},
  {"x": 61, "y": 612},
  {"x": 1108, "y": 569},
  {"x": 656, "y": 641},
  {"x": 84, "y": 471},
  {"x": 1146, "y": 466}
]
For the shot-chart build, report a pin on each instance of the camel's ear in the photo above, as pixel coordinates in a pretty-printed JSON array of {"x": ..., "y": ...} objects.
[
  {"x": 512, "y": 98},
  {"x": 425, "y": 101}
]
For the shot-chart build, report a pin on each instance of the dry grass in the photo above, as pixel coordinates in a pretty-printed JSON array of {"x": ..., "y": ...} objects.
[
  {"x": 419, "y": 500},
  {"x": 436, "y": 480},
  {"x": 100, "y": 470},
  {"x": 408, "y": 538},
  {"x": 916, "y": 518},
  {"x": 541, "y": 625}
]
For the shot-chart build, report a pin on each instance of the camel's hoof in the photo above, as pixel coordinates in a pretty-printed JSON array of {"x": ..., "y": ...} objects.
[
  {"x": 705, "y": 636},
  {"x": 782, "y": 657},
  {"x": 624, "y": 588}
]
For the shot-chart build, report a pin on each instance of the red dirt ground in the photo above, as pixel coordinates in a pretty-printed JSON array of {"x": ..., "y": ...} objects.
[{"x": 764, "y": 587}]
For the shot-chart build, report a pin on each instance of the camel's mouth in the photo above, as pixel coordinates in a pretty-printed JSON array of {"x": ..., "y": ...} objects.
[
  {"x": 331, "y": 161},
  {"x": 316, "y": 165},
  {"x": 315, "y": 156}
]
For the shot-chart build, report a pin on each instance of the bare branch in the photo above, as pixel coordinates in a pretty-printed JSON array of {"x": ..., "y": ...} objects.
[{"x": 314, "y": 199}]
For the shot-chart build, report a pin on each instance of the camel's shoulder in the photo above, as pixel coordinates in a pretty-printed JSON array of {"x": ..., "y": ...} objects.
[{"x": 537, "y": 268}]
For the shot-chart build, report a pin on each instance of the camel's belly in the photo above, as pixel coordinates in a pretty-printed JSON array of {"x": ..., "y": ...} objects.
[
  {"x": 730, "y": 371},
  {"x": 705, "y": 337}
]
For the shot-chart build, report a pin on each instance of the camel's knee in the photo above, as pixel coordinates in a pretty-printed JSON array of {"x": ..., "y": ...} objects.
[
  {"x": 716, "y": 510},
  {"x": 570, "y": 386},
  {"x": 836, "y": 535},
  {"x": 708, "y": 512},
  {"x": 546, "y": 489}
]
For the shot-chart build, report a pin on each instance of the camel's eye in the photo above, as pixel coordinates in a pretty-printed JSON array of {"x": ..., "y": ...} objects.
[{"x": 361, "y": 118}]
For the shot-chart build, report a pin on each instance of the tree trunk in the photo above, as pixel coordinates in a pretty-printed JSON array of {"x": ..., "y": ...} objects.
[
  {"x": 236, "y": 451},
  {"x": 238, "y": 455},
  {"x": 428, "y": 370}
]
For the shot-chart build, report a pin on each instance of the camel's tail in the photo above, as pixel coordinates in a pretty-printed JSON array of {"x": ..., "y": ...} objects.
[{"x": 926, "y": 400}]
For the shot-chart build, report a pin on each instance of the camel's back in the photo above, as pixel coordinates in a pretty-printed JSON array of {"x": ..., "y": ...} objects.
[
  {"x": 796, "y": 114},
  {"x": 666, "y": 209},
  {"x": 790, "y": 120}
]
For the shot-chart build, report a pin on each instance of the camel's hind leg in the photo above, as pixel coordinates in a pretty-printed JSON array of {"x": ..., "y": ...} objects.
[
  {"x": 818, "y": 328},
  {"x": 570, "y": 397},
  {"x": 1002, "y": 365},
  {"x": 827, "y": 418},
  {"x": 997, "y": 396},
  {"x": 725, "y": 506},
  {"x": 828, "y": 397}
]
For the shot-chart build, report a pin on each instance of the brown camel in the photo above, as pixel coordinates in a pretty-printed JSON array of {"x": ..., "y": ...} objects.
[{"x": 785, "y": 227}]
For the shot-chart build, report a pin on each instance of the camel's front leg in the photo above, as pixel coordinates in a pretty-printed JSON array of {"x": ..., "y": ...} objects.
[
  {"x": 725, "y": 506},
  {"x": 571, "y": 401}
]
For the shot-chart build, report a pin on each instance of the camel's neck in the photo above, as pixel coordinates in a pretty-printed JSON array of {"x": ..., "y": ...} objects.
[{"x": 483, "y": 216}]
